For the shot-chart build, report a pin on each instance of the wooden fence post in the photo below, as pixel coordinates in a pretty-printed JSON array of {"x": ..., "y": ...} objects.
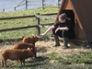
[
  {"x": 14, "y": 8},
  {"x": 58, "y": 4},
  {"x": 42, "y": 4},
  {"x": 38, "y": 23},
  {"x": 3, "y": 10},
  {"x": 26, "y": 3}
]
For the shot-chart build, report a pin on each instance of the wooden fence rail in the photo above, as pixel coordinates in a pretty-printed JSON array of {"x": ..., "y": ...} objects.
[
  {"x": 29, "y": 16},
  {"x": 37, "y": 26}
]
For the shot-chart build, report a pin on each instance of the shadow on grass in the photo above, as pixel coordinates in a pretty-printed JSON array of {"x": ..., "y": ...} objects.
[
  {"x": 34, "y": 63},
  {"x": 84, "y": 45},
  {"x": 42, "y": 50},
  {"x": 39, "y": 61}
]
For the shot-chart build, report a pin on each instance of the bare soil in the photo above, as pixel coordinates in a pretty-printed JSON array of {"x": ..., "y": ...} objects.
[
  {"x": 43, "y": 49},
  {"x": 46, "y": 47}
]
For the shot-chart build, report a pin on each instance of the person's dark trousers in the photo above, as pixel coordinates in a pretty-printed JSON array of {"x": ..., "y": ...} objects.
[
  {"x": 62, "y": 34},
  {"x": 65, "y": 41},
  {"x": 56, "y": 40}
]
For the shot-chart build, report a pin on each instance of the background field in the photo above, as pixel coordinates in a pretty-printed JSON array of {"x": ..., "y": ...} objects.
[
  {"x": 49, "y": 57},
  {"x": 4, "y": 24}
]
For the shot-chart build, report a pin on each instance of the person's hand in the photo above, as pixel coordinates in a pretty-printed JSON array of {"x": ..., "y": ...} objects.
[
  {"x": 67, "y": 28},
  {"x": 56, "y": 30},
  {"x": 42, "y": 34}
]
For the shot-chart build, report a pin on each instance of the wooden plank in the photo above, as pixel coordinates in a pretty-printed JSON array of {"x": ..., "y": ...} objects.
[
  {"x": 30, "y": 16},
  {"x": 10, "y": 29},
  {"x": 24, "y": 27},
  {"x": 38, "y": 23},
  {"x": 18, "y": 17},
  {"x": 47, "y": 24},
  {"x": 46, "y": 15}
]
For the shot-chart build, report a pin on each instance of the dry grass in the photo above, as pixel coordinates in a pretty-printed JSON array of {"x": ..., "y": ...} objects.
[
  {"x": 46, "y": 47},
  {"x": 43, "y": 49}
]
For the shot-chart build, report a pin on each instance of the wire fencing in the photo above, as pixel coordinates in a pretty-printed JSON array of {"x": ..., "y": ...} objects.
[{"x": 29, "y": 4}]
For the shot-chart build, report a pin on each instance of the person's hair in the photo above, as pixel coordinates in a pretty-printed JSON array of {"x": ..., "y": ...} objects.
[{"x": 63, "y": 16}]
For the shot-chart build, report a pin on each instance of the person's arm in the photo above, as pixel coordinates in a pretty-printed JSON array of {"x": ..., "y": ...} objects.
[
  {"x": 62, "y": 28},
  {"x": 48, "y": 30}
]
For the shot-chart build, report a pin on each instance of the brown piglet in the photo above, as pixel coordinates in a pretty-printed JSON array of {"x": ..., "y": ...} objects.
[
  {"x": 22, "y": 45},
  {"x": 16, "y": 54},
  {"x": 30, "y": 39}
]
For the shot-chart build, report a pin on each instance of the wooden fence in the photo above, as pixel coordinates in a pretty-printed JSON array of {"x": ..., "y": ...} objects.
[
  {"x": 37, "y": 26},
  {"x": 27, "y": 3}
]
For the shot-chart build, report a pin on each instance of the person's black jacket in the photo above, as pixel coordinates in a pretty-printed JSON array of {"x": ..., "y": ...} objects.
[{"x": 70, "y": 33}]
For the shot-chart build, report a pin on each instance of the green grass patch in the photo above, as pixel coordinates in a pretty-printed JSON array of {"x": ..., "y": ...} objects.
[
  {"x": 5, "y": 24},
  {"x": 17, "y": 34},
  {"x": 54, "y": 56},
  {"x": 74, "y": 58},
  {"x": 43, "y": 63},
  {"x": 48, "y": 9}
]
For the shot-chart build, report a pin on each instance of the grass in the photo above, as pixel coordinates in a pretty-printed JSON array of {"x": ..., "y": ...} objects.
[
  {"x": 4, "y": 24},
  {"x": 83, "y": 57},
  {"x": 44, "y": 62},
  {"x": 53, "y": 58},
  {"x": 16, "y": 34},
  {"x": 71, "y": 60},
  {"x": 48, "y": 9}
]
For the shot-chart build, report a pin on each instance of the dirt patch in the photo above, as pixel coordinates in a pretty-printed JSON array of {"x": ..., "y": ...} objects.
[
  {"x": 46, "y": 47},
  {"x": 43, "y": 49}
]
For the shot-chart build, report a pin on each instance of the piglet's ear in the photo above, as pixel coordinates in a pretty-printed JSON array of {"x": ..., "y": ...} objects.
[{"x": 33, "y": 35}]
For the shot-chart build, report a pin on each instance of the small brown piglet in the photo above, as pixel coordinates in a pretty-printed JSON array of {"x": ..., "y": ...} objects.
[
  {"x": 16, "y": 54},
  {"x": 22, "y": 45}
]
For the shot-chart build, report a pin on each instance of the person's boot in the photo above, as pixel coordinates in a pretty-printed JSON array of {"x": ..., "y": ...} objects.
[
  {"x": 65, "y": 40},
  {"x": 56, "y": 41}
]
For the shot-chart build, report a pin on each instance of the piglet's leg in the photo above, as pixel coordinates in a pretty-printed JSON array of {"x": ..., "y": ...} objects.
[
  {"x": 21, "y": 62},
  {"x": 34, "y": 51},
  {"x": 2, "y": 62},
  {"x": 24, "y": 62},
  {"x": 5, "y": 62}
]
